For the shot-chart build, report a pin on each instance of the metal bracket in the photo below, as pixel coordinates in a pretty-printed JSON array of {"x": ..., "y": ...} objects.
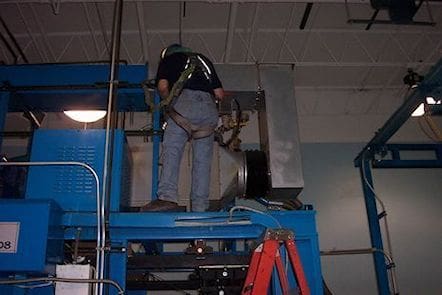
[
  {"x": 55, "y": 4},
  {"x": 278, "y": 235}
]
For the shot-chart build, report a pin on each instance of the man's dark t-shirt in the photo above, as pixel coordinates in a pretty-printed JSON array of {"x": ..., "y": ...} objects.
[{"x": 171, "y": 67}]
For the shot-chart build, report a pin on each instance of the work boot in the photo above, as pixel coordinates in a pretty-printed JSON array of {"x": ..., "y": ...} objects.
[{"x": 161, "y": 206}]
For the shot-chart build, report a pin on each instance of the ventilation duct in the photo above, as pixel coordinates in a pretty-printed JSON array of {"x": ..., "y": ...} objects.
[
  {"x": 400, "y": 11},
  {"x": 243, "y": 174}
]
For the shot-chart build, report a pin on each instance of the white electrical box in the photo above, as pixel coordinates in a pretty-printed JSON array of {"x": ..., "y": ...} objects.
[{"x": 74, "y": 271}]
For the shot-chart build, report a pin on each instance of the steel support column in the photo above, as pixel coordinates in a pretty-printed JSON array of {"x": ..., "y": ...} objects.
[
  {"x": 375, "y": 229},
  {"x": 111, "y": 123},
  {"x": 431, "y": 86},
  {"x": 4, "y": 102},
  {"x": 117, "y": 265},
  {"x": 156, "y": 147}
]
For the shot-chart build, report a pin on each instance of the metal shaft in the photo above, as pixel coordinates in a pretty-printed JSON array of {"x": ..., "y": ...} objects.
[{"x": 110, "y": 124}]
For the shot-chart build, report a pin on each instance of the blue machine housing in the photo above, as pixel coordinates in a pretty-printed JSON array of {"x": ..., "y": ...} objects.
[
  {"x": 40, "y": 236},
  {"x": 73, "y": 187}
]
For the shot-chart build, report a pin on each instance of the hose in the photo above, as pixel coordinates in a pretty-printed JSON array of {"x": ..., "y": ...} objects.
[
  {"x": 65, "y": 280},
  {"x": 252, "y": 210}
]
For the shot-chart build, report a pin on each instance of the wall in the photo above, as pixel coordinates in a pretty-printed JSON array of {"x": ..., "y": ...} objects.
[{"x": 413, "y": 201}]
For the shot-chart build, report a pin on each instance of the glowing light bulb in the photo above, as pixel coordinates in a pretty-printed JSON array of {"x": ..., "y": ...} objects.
[{"x": 88, "y": 116}]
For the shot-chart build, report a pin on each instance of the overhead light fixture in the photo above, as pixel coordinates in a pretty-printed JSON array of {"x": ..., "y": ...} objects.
[
  {"x": 88, "y": 116},
  {"x": 412, "y": 79},
  {"x": 420, "y": 110}
]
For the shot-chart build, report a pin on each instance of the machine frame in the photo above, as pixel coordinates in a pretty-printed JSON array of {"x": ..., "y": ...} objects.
[
  {"x": 373, "y": 156},
  {"x": 59, "y": 87}
]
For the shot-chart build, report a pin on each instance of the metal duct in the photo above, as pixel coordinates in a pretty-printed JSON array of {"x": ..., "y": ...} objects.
[
  {"x": 233, "y": 174},
  {"x": 243, "y": 174},
  {"x": 275, "y": 104}
]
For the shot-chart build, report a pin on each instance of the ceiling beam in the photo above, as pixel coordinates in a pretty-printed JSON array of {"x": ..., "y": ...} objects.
[
  {"x": 209, "y": 1},
  {"x": 103, "y": 30},
  {"x": 30, "y": 34},
  {"x": 142, "y": 29},
  {"x": 206, "y": 1},
  {"x": 284, "y": 39},
  {"x": 230, "y": 31},
  {"x": 252, "y": 32},
  {"x": 338, "y": 64},
  {"x": 91, "y": 29},
  {"x": 43, "y": 35},
  {"x": 404, "y": 32}
]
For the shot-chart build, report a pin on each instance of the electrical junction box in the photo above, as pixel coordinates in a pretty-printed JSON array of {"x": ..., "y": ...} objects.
[
  {"x": 74, "y": 187},
  {"x": 31, "y": 236},
  {"x": 74, "y": 271}
]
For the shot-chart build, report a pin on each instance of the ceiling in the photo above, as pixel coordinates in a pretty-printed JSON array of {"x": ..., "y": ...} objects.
[{"x": 328, "y": 53}]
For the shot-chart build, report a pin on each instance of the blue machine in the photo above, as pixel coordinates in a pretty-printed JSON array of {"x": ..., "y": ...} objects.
[
  {"x": 71, "y": 190},
  {"x": 74, "y": 188},
  {"x": 32, "y": 245}
]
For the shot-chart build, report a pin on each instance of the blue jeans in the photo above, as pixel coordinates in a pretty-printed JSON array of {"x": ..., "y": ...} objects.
[{"x": 200, "y": 109}]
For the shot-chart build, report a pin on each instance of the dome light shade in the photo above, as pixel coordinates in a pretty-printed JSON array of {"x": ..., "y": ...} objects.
[{"x": 88, "y": 116}]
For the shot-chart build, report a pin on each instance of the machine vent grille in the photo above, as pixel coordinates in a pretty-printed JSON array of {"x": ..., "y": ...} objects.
[{"x": 74, "y": 179}]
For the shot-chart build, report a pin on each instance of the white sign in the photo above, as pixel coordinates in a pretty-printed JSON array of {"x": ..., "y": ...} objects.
[{"x": 9, "y": 236}]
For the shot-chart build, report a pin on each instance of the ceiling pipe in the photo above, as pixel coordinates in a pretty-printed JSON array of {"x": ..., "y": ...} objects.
[
  {"x": 308, "y": 9},
  {"x": 14, "y": 41},
  {"x": 8, "y": 46}
]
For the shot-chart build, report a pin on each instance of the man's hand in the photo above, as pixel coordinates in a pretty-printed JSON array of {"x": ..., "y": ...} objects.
[
  {"x": 163, "y": 88},
  {"x": 219, "y": 94}
]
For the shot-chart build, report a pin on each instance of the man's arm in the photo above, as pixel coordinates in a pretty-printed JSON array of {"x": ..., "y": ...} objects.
[{"x": 163, "y": 88}]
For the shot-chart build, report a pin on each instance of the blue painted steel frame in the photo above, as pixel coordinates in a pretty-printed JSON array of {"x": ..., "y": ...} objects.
[
  {"x": 4, "y": 102},
  {"x": 62, "y": 87},
  {"x": 156, "y": 147},
  {"x": 396, "y": 161},
  {"x": 42, "y": 86},
  {"x": 173, "y": 227},
  {"x": 431, "y": 86},
  {"x": 375, "y": 229}
]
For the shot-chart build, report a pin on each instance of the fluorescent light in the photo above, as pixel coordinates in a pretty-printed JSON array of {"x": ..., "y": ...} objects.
[
  {"x": 419, "y": 111},
  {"x": 88, "y": 116}
]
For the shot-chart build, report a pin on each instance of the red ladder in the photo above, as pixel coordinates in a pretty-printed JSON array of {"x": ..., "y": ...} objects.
[{"x": 264, "y": 258}]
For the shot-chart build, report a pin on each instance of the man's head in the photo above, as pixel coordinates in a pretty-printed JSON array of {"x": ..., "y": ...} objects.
[{"x": 174, "y": 48}]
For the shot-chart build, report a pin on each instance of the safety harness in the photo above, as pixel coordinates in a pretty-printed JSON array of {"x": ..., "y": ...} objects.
[{"x": 193, "y": 65}]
